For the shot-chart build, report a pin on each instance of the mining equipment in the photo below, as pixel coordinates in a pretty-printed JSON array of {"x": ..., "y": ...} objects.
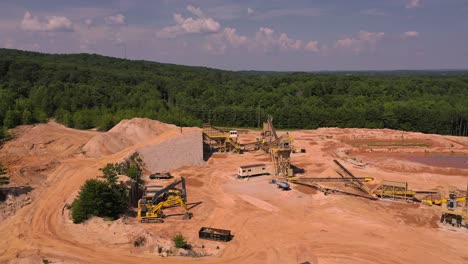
[
  {"x": 452, "y": 212},
  {"x": 225, "y": 141},
  {"x": 398, "y": 191},
  {"x": 157, "y": 198},
  {"x": 279, "y": 148},
  {"x": 283, "y": 185},
  {"x": 346, "y": 177},
  {"x": 220, "y": 140},
  {"x": 215, "y": 234},
  {"x": 441, "y": 201}
]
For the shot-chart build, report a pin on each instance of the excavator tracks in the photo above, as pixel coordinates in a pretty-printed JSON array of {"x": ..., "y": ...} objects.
[{"x": 152, "y": 220}]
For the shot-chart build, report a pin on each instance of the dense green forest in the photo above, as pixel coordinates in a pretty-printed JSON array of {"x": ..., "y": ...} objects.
[{"x": 85, "y": 91}]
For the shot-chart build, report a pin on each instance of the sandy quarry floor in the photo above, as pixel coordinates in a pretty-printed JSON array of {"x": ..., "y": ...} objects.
[{"x": 269, "y": 225}]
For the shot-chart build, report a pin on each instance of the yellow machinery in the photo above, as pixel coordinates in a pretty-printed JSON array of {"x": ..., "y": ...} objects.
[
  {"x": 346, "y": 177},
  {"x": 331, "y": 179},
  {"x": 150, "y": 207},
  {"x": 223, "y": 141},
  {"x": 452, "y": 212},
  {"x": 279, "y": 148},
  {"x": 441, "y": 201},
  {"x": 399, "y": 191}
]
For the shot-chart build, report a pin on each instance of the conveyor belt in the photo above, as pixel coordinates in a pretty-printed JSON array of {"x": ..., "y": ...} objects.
[
  {"x": 334, "y": 179},
  {"x": 359, "y": 185}
]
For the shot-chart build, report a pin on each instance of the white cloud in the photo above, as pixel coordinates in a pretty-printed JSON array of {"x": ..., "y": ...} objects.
[
  {"x": 267, "y": 40},
  {"x": 373, "y": 12},
  {"x": 410, "y": 34},
  {"x": 250, "y": 10},
  {"x": 312, "y": 46},
  {"x": 118, "y": 19},
  {"x": 363, "y": 41},
  {"x": 230, "y": 34},
  {"x": 286, "y": 43},
  {"x": 288, "y": 12},
  {"x": 219, "y": 39},
  {"x": 51, "y": 23},
  {"x": 195, "y": 11},
  {"x": 413, "y": 4},
  {"x": 199, "y": 24},
  {"x": 219, "y": 42}
]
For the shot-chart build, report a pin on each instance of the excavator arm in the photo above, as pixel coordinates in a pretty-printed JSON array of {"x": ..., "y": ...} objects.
[
  {"x": 172, "y": 186},
  {"x": 168, "y": 196}
]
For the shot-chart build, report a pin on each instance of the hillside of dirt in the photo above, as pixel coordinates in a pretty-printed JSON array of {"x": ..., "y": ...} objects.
[
  {"x": 125, "y": 134},
  {"x": 269, "y": 225}
]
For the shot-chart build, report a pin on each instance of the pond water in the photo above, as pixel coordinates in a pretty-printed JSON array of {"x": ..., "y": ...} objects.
[{"x": 459, "y": 162}]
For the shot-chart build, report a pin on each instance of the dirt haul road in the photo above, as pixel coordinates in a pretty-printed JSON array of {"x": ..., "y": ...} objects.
[{"x": 269, "y": 225}]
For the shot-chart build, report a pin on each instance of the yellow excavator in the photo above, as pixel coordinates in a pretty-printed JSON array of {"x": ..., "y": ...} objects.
[{"x": 151, "y": 205}]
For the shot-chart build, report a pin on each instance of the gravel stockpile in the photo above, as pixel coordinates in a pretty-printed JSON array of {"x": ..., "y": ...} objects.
[
  {"x": 182, "y": 149},
  {"x": 125, "y": 134}
]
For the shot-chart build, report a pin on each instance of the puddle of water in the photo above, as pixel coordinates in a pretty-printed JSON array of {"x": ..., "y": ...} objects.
[{"x": 459, "y": 162}]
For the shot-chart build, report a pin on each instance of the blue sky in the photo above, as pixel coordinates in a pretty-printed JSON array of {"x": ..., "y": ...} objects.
[{"x": 296, "y": 35}]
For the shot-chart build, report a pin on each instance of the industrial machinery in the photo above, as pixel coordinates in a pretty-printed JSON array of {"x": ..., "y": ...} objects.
[
  {"x": 156, "y": 198},
  {"x": 283, "y": 185},
  {"x": 346, "y": 177},
  {"x": 398, "y": 191},
  {"x": 279, "y": 148},
  {"x": 441, "y": 201},
  {"x": 331, "y": 179},
  {"x": 222, "y": 141},
  {"x": 452, "y": 212}
]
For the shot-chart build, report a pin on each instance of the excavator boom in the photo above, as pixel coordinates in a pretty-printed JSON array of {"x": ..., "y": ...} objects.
[{"x": 171, "y": 195}]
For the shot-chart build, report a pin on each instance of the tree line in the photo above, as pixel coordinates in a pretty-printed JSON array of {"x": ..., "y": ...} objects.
[{"x": 87, "y": 90}]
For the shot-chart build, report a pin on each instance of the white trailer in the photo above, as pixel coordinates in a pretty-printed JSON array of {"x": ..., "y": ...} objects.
[{"x": 252, "y": 170}]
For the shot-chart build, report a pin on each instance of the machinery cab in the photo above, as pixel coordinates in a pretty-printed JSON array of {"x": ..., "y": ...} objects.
[
  {"x": 452, "y": 202},
  {"x": 142, "y": 206},
  {"x": 233, "y": 134}
]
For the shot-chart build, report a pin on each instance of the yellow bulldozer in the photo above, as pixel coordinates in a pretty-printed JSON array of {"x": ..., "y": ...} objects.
[{"x": 151, "y": 205}]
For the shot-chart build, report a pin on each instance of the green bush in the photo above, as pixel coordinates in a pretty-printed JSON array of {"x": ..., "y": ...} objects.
[
  {"x": 179, "y": 241},
  {"x": 134, "y": 172},
  {"x": 5, "y": 136},
  {"x": 100, "y": 198}
]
